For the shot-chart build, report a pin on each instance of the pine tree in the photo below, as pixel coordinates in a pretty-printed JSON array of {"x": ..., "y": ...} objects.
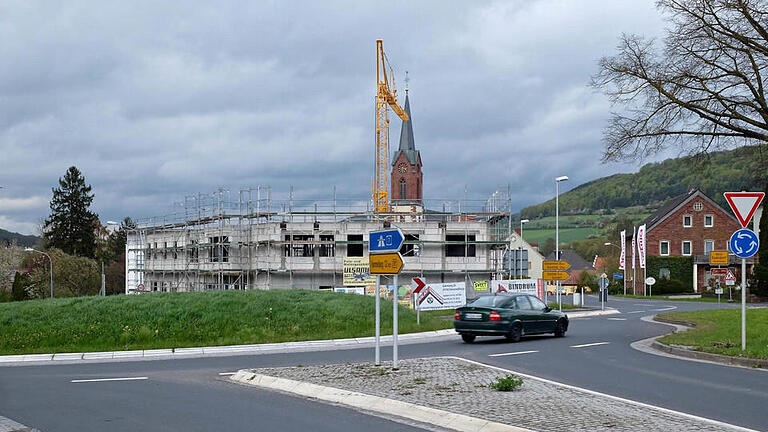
[
  {"x": 70, "y": 227},
  {"x": 760, "y": 274}
]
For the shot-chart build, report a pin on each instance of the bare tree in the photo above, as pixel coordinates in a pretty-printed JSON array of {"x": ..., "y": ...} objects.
[{"x": 703, "y": 90}]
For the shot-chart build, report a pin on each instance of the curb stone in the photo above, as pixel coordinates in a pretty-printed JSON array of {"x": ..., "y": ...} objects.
[
  {"x": 8, "y": 425},
  {"x": 391, "y": 407}
]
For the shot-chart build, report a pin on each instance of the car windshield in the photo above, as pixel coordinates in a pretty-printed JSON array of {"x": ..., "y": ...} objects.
[{"x": 489, "y": 301}]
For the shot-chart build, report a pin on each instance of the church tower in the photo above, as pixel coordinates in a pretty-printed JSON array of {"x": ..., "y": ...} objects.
[{"x": 406, "y": 176}]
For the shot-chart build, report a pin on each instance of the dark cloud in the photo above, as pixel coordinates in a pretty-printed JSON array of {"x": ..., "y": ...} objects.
[{"x": 156, "y": 101}]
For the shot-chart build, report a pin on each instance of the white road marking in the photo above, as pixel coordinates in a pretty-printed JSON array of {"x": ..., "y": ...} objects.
[
  {"x": 617, "y": 319},
  {"x": 642, "y": 304},
  {"x": 637, "y": 312},
  {"x": 226, "y": 373},
  {"x": 511, "y": 353},
  {"x": 664, "y": 309},
  {"x": 589, "y": 344},
  {"x": 109, "y": 379}
]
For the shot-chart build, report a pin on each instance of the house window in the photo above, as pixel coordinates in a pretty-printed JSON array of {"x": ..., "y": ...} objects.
[
  {"x": 220, "y": 249},
  {"x": 664, "y": 273},
  {"x": 355, "y": 249},
  {"x": 664, "y": 248},
  {"x": 698, "y": 206},
  {"x": 327, "y": 249},
  {"x": 687, "y": 221},
  {"x": 709, "y": 246},
  {"x": 410, "y": 247},
  {"x": 458, "y": 245},
  {"x": 709, "y": 221},
  {"x": 402, "y": 189},
  {"x": 686, "y": 247},
  {"x": 300, "y": 246}
]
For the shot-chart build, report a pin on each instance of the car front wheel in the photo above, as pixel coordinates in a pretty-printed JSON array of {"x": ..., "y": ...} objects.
[
  {"x": 468, "y": 338},
  {"x": 560, "y": 328}
]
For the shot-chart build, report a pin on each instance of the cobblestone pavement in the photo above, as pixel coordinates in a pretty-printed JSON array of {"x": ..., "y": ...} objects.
[{"x": 462, "y": 387}]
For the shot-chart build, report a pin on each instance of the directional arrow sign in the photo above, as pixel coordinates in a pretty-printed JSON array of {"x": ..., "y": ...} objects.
[
  {"x": 744, "y": 205},
  {"x": 418, "y": 284},
  {"x": 555, "y": 265},
  {"x": 386, "y": 263},
  {"x": 744, "y": 243},
  {"x": 385, "y": 241},
  {"x": 555, "y": 275}
]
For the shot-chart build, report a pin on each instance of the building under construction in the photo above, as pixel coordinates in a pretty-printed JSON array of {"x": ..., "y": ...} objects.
[{"x": 247, "y": 239}]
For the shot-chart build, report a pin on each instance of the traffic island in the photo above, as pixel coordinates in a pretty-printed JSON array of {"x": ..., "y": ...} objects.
[
  {"x": 713, "y": 336},
  {"x": 455, "y": 394}
]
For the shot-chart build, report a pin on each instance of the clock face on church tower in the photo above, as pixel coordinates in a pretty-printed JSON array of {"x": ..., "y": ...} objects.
[{"x": 402, "y": 167}]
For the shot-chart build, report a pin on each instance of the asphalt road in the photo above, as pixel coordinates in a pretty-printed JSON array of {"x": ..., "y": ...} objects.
[{"x": 189, "y": 395}]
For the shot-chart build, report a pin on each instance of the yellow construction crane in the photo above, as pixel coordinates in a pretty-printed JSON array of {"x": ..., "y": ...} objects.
[{"x": 385, "y": 98}]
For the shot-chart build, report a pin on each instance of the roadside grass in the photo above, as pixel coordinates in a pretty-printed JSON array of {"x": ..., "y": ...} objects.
[
  {"x": 719, "y": 331},
  {"x": 553, "y": 305},
  {"x": 158, "y": 320},
  {"x": 723, "y": 299}
]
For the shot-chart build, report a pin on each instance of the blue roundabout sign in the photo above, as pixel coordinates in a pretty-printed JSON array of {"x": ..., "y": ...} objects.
[{"x": 744, "y": 243}]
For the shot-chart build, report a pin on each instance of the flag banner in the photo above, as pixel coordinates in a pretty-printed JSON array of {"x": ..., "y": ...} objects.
[
  {"x": 641, "y": 245},
  {"x": 623, "y": 257}
]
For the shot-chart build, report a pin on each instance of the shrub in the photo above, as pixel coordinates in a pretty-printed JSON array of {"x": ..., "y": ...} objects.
[
  {"x": 668, "y": 286},
  {"x": 507, "y": 383}
]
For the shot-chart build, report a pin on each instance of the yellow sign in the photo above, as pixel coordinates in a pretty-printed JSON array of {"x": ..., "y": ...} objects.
[
  {"x": 555, "y": 265},
  {"x": 481, "y": 286},
  {"x": 357, "y": 272},
  {"x": 555, "y": 275},
  {"x": 718, "y": 258},
  {"x": 387, "y": 263}
]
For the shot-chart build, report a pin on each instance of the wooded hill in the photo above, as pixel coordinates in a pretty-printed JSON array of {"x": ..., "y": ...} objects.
[
  {"x": 8, "y": 237},
  {"x": 745, "y": 168}
]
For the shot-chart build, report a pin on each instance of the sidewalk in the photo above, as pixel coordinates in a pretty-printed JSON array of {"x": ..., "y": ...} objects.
[{"x": 453, "y": 393}]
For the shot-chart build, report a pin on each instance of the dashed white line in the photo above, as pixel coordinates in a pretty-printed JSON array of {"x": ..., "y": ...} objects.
[
  {"x": 589, "y": 344},
  {"x": 109, "y": 379},
  {"x": 664, "y": 309},
  {"x": 226, "y": 373},
  {"x": 617, "y": 319},
  {"x": 511, "y": 353}
]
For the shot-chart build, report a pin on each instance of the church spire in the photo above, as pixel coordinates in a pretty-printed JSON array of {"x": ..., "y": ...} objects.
[{"x": 406, "y": 131}]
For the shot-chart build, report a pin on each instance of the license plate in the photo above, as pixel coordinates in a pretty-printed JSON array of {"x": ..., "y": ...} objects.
[{"x": 473, "y": 316}]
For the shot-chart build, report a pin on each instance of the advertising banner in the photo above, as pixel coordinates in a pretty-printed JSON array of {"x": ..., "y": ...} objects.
[
  {"x": 527, "y": 286},
  {"x": 442, "y": 296},
  {"x": 623, "y": 257},
  {"x": 641, "y": 245},
  {"x": 351, "y": 290},
  {"x": 357, "y": 272}
]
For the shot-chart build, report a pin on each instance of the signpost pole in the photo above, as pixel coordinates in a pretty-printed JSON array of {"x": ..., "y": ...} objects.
[
  {"x": 377, "y": 293},
  {"x": 394, "y": 324},
  {"x": 743, "y": 304}
]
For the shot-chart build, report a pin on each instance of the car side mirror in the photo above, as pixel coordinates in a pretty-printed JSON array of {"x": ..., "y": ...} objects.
[{"x": 547, "y": 309}]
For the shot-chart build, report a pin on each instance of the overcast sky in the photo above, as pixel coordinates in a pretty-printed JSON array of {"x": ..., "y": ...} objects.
[{"x": 157, "y": 100}]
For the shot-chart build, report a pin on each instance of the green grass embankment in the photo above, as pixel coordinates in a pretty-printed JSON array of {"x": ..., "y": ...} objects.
[
  {"x": 723, "y": 299},
  {"x": 156, "y": 321},
  {"x": 719, "y": 331}
]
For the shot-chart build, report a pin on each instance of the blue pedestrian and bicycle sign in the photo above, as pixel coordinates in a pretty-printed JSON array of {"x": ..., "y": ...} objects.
[
  {"x": 744, "y": 243},
  {"x": 385, "y": 241}
]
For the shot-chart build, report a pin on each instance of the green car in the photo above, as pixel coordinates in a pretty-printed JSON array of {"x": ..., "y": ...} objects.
[{"x": 509, "y": 315}]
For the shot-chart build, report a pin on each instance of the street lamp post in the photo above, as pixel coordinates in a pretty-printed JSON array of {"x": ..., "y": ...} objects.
[
  {"x": 29, "y": 249},
  {"x": 522, "y": 221},
  {"x": 557, "y": 233}
]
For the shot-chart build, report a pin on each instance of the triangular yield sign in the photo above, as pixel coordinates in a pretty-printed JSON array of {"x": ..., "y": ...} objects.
[
  {"x": 744, "y": 204},
  {"x": 730, "y": 275}
]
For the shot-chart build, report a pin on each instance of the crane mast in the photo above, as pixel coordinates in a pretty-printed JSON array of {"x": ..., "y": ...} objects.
[{"x": 385, "y": 98}]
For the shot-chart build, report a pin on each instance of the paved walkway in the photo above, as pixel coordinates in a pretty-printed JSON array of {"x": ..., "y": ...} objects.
[{"x": 461, "y": 386}]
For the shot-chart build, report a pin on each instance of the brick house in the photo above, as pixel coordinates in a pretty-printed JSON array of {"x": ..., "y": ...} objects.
[{"x": 692, "y": 224}]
